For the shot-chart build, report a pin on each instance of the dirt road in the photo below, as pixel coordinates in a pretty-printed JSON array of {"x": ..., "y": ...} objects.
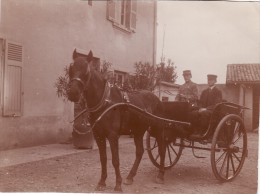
[{"x": 80, "y": 172}]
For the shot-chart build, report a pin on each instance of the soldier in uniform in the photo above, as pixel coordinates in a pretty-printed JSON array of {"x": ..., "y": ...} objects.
[
  {"x": 208, "y": 100},
  {"x": 188, "y": 92}
]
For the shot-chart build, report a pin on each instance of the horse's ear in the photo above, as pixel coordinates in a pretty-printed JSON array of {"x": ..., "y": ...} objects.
[
  {"x": 90, "y": 56},
  {"x": 75, "y": 54}
]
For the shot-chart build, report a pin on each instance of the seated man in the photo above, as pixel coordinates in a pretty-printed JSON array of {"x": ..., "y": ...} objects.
[
  {"x": 208, "y": 100},
  {"x": 188, "y": 92}
]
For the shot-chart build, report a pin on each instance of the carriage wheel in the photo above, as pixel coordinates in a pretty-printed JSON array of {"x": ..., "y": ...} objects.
[
  {"x": 173, "y": 152},
  {"x": 229, "y": 148}
]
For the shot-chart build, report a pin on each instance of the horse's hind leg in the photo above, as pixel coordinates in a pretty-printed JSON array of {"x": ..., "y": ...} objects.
[
  {"x": 139, "y": 154},
  {"x": 101, "y": 142},
  {"x": 113, "y": 140}
]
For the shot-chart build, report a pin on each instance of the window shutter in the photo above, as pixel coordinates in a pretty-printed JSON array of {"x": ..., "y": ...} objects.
[
  {"x": 133, "y": 15},
  {"x": 111, "y": 11},
  {"x": 12, "y": 102}
]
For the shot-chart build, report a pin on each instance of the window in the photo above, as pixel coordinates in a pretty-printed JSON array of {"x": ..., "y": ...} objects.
[
  {"x": 122, "y": 13},
  {"x": 119, "y": 77},
  {"x": 12, "y": 78}
]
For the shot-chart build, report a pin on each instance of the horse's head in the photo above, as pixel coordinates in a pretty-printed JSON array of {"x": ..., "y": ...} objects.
[{"x": 79, "y": 76}]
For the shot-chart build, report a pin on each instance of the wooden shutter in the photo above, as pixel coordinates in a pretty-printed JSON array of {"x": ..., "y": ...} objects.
[
  {"x": 12, "y": 102},
  {"x": 111, "y": 10},
  {"x": 133, "y": 16}
]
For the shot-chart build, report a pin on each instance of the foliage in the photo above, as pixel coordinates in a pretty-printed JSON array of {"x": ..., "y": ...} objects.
[
  {"x": 147, "y": 75},
  {"x": 61, "y": 85},
  {"x": 167, "y": 72},
  {"x": 62, "y": 82}
]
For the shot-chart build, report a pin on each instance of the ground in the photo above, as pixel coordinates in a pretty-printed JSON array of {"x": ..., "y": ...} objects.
[{"x": 80, "y": 172}]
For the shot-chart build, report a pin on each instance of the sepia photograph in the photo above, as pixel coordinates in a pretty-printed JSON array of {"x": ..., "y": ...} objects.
[{"x": 129, "y": 96}]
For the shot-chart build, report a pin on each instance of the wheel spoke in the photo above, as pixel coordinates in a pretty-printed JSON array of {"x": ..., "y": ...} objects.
[
  {"x": 236, "y": 130},
  {"x": 154, "y": 145},
  {"x": 236, "y": 157},
  {"x": 222, "y": 167},
  {"x": 227, "y": 166},
  {"x": 169, "y": 154},
  {"x": 232, "y": 163},
  {"x": 220, "y": 157},
  {"x": 156, "y": 158},
  {"x": 238, "y": 138},
  {"x": 173, "y": 150}
]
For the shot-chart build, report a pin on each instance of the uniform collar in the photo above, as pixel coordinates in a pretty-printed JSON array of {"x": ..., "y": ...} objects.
[{"x": 212, "y": 87}]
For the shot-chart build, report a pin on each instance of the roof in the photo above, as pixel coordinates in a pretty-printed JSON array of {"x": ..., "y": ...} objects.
[
  {"x": 169, "y": 84},
  {"x": 243, "y": 73}
]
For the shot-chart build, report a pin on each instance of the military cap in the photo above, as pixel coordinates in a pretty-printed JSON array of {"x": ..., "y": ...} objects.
[
  {"x": 211, "y": 76},
  {"x": 186, "y": 72}
]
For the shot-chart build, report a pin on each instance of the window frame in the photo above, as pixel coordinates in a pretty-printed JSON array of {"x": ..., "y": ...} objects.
[{"x": 114, "y": 14}]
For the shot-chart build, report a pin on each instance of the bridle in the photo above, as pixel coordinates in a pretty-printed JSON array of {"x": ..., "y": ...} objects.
[
  {"x": 105, "y": 97},
  {"x": 85, "y": 86}
]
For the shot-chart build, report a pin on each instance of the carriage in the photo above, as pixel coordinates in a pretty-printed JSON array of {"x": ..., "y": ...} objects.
[
  {"x": 225, "y": 138},
  {"x": 168, "y": 125}
]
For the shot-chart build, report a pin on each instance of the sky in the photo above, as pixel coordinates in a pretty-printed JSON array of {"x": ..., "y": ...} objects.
[{"x": 206, "y": 36}]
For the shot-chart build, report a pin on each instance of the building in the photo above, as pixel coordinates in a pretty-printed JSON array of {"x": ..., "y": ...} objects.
[
  {"x": 246, "y": 79},
  {"x": 37, "y": 39},
  {"x": 166, "y": 91}
]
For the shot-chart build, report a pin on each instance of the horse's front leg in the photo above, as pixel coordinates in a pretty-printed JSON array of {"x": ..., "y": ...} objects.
[
  {"x": 101, "y": 143},
  {"x": 138, "y": 156},
  {"x": 162, "y": 151},
  {"x": 113, "y": 140}
]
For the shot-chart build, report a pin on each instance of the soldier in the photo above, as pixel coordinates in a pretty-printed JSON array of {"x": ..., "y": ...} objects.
[{"x": 188, "y": 92}]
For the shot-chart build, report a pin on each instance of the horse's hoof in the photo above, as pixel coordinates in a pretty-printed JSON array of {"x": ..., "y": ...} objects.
[
  {"x": 159, "y": 180},
  {"x": 100, "y": 187},
  {"x": 128, "y": 181},
  {"x": 118, "y": 189}
]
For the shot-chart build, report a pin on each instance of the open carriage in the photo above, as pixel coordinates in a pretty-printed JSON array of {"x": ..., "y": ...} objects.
[
  {"x": 111, "y": 113},
  {"x": 225, "y": 138}
]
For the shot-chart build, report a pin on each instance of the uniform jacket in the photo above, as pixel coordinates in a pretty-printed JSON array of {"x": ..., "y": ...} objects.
[
  {"x": 210, "y": 97},
  {"x": 188, "y": 92}
]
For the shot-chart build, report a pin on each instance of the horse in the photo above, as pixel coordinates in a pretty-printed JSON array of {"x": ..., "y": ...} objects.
[{"x": 88, "y": 83}]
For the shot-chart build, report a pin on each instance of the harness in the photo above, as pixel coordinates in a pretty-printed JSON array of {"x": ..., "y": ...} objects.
[{"x": 104, "y": 101}]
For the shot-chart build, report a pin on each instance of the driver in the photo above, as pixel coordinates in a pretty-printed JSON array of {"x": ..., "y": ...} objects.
[
  {"x": 188, "y": 92},
  {"x": 208, "y": 100}
]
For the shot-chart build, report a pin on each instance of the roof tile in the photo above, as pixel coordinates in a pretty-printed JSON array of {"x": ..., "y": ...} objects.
[{"x": 243, "y": 73}]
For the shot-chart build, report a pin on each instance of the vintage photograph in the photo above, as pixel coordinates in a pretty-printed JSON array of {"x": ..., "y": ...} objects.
[{"x": 132, "y": 96}]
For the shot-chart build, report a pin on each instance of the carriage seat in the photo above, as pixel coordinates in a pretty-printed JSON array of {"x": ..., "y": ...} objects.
[{"x": 220, "y": 111}]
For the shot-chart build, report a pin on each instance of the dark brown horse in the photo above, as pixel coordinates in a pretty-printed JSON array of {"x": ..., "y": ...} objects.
[{"x": 88, "y": 83}]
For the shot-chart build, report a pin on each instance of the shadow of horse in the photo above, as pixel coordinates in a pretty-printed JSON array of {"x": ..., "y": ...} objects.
[{"x": 88, "y": 84}]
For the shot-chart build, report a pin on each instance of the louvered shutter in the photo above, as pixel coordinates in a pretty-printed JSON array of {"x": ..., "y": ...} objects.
[
  {"x": 133, "y": 16},
  {"x": 111, "y": 10},
  {"x": 12, "y": 102}
]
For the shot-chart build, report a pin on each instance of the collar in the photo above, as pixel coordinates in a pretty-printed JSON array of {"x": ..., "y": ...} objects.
[
  {"x": 212, "y": 87},
  {"x": 104, "y": 100}
]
